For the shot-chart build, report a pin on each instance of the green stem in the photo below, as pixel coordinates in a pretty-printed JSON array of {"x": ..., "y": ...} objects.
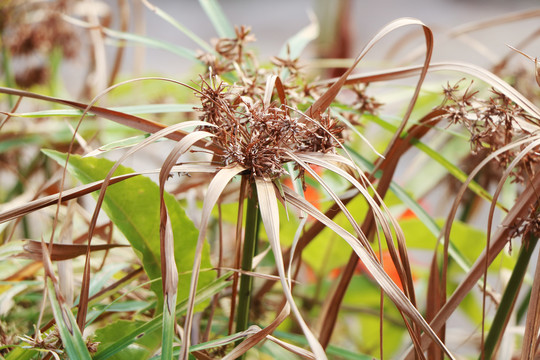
[
  {"x": 250, "y": 241},
  {"x": 509, "y": 297}
]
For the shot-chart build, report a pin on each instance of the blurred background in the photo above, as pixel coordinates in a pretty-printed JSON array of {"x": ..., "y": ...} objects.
[{"x": 345, "y": 27}]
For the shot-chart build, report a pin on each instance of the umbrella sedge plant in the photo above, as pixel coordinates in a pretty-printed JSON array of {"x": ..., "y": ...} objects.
[{"x": 261, "y": 127}]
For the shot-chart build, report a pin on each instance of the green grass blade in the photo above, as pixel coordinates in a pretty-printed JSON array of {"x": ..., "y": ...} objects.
[
  {"x": 168, "y": 332},
  {"x": 216, "y": 15},
  {"x": 159, "y": 44},
  {"x": 155, "y": 324},
  {"x": 190, "y": 34},
  {"x": 72, "y": 340},
  {"x": 133, "y": 206}
]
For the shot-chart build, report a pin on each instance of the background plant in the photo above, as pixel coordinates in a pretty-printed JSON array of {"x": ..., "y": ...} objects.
[{"x": 259, "y": 135}]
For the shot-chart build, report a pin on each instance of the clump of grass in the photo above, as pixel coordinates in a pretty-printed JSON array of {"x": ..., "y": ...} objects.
[{"x": 264, "y": 128}]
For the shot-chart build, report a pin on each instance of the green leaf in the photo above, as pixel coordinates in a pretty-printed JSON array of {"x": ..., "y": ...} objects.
[
  {"x": 141, "y": 349},
  {"x": 220, "y": 22},
  {"x": 21, "y": 353},
  {"x": 168, "y": 18},
  {"x": 167, "y": 337},
  {"x": 175, "y": 49},
  {"x": 72, "y": 340},
  {"x": 133, "y": 206}
]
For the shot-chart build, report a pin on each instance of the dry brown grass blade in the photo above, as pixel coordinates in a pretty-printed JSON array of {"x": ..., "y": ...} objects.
[
  {"x": 272, "y": 82},
  {"x": 321, "y": 104},
  {"x": 79, "y": 191},
  {"x": 535, "y": 60},
  {"x": 215, "y": 188},
  {"x": 168, "y": 264},
  {"x": 499, "y": 20},
  {"x": 260, "y": 335},
  {"x": 83, "y": 300},
  {"x": 132, "y": 121},
  {"x": 434, "y": 300},
  {"x": 532, "y": 324},
  {"x": 53, "y": 199},
  {"x": 518, "y": 211},
  {"x": 238, "y": 246},
  {"x": 470, "y": 69},
  {"x": 65, "y": 268},
  {"x": 62, "y": 252},
  {"x": 120, "y": 49},
  {"x": 268, "y": 206},
  {"x": 13, "y": 109},
  {"x": 376, "y": 216},
  {"x": 372, "y": 265}
]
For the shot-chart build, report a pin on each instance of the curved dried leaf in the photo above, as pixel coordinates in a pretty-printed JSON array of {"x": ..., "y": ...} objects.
[
  {"x": 215, "y": 188},
  {"x": 60, "y": 252},
  {"x": 373, "y": 266},
  {"x": 270, "y": 217}
]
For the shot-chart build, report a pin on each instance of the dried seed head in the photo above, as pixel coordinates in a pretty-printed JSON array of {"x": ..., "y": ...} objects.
[
  {"x": 257, "y": 137},
  {"x": 492, "y": 124}
]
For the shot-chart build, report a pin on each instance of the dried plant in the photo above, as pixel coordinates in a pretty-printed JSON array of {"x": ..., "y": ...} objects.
[{"x": 159, "y": 286}]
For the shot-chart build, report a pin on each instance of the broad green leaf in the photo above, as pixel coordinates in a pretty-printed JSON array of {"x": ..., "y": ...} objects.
[
  {"x": 216, "y": 15},
  {"x": 133, "y": 206},
  {"x": 141, "y": 349},
  {"x": 20, "y": 353},
  {"x": 72, "y": 339}
]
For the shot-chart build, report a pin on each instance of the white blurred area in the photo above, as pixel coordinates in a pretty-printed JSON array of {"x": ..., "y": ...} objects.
[{"x": 273, "y": 22}]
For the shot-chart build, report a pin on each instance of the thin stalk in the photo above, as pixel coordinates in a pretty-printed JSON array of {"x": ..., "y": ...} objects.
[
  {"x": 509, "y": 297},
  {"x": 250, "y": 241}
]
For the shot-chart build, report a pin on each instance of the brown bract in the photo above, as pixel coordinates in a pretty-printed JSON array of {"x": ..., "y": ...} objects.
[{"x": 255, "y": 136}]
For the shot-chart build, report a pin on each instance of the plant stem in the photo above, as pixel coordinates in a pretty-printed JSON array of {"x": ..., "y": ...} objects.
[
  {"x": 509, "y": 297},
  {"x": 250, "y": 242}
]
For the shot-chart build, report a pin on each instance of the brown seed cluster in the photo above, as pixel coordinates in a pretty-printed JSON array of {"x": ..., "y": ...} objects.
[
  {"x": 256, "y": 136},
  {"x": 492, "y": 124},
  {"x": 251, "y": 134}
]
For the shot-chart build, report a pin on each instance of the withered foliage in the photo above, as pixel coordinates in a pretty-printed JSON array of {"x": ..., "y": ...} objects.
[{"x": 492, "y": 124}]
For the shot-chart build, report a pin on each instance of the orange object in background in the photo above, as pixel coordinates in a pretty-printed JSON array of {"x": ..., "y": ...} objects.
[
  {"x": 388, "y": 266},
  {"x": 310, "y": 193}
]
